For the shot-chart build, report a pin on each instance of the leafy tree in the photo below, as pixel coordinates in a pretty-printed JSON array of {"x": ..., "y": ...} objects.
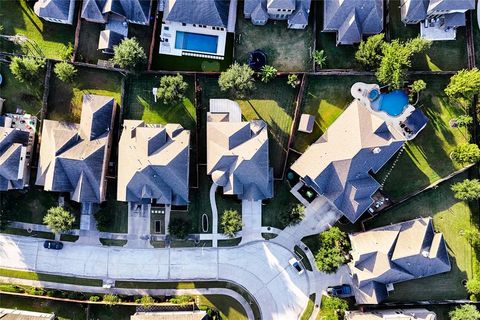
[
  {"x": 292, "y": 80},
  {"x": 473, "y": 286},
  {"x": 58, "y": 219},
  {"x": 396, "y": 60},
  {"x": 333, "y": 250},
  {"x": 231, "y": 222},
  {"x": 418, "y": 85},
  {"x": 172, "y": 89},
  {"x": 293, "y": 216},
  {"x": 466, "y": 153},
  {"x": 111, "y": 299},
  {"x": 369, "y": 53},
  {"x": 268, "y": 73},
  {"x": 145, "y": 301},
  {"x": 67, "y": 52},
  {"x": 27, "y": 70},
  {"x": 179, "y": 228},
  {"x": 465, "y": 312},
  {"x": 129, "y": 54},
  {"x": 320, "y": 58},
  {"x": 464, "y": 120},
  {"x": 464, "y": 85},
  {"x": 65, "y": 71},
  {"x": 472, "y": 236},
  {"x": 466, "y": 190},
  {"x": 238, "y": 79},
  {"x": 333, "y": 308}
]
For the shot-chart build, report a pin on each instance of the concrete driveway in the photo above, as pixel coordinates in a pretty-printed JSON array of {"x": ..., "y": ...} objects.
[{"x": 261, "y": 267}]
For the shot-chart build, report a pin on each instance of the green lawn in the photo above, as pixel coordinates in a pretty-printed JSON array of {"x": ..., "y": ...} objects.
[
  {"x": 426, "y": 158},
  {"x": 229, "y": 308},
  {"x": 65, "y": 99},
  {"x": 281, "y": 201},
  {"x": 19, "y": 95},
  {"x": 117, "y": 211},
  {"x": 20, "y": 274},
  {"x": 25, "y": 233},
  {"x": 307, "y": 313},
  {"x": 17, "y": 17},
  {"x": 450, "y": 217},
  {"x": 325, "y": 97},
  {"x": 286, "y": 49}
]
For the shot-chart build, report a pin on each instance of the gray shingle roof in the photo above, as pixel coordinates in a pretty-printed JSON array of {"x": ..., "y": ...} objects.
[
  {"x": 450, "y": 5},
  {"x": 54, "y": 9},
  {"x": 154, "y": 162},
  {"x": 299, "y": 16},
  {"x": 73, "y": 158},
  {"x": 395, "y": 253},
  {"x": 12, "y": 158},
  {"x": 413, "y": 10},
  {"x": 342, "y": 174},
  {"x": 134, "y": 11},
  {"x": 206, "y": 12},
  {"x": 281, "y": 4}
]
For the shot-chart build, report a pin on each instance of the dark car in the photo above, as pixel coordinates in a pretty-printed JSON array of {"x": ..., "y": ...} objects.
[
  {"x": 344, "y": 290},
  {"x": 55, "y": 245}
]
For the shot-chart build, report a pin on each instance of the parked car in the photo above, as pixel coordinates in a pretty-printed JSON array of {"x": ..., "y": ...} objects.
[
  {"x": 55, "y": 245},
  {"x": 342, "y": 291},
  {"x": 296, "y": 265}
]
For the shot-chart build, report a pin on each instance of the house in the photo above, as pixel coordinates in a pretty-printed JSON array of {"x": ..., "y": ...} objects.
[
  {"x": 392, "y": 314},
  {"x": 116, "y": 15},
  {"x": 58, "y": 11},
  {"x": 384, "y": 256},
  {"x": 196, "y": 28},
  {"x": 154, "y": 163},
  {"x": 439, "y": 18},
  {"x": 352, "y": 19},
  {"x": 16, "y": 314},
  {"x": 294, "y": 11},
  {"x": 74, "y": 157},
  {"x": 171, "y": 315},
  {"x": 237, "y": 152}
]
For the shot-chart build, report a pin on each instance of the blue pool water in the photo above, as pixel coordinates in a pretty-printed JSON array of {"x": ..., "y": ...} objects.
[
  {"x": 393, "y": 103},
  {"x": 196, "y": 42}
]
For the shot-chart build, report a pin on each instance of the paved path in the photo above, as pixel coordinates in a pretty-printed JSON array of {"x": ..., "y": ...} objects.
[
  {"x": 252, "y": 221},
  {"x": 261, "y": 267},
  {"x": 213, "y": 205}
]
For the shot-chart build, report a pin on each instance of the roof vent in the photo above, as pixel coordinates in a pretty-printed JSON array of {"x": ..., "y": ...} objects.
[
  {"x": 376, "y": 150},
  {"x": 425, "y": 253}
]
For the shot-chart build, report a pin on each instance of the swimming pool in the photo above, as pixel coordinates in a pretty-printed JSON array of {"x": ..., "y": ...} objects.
[
  {"x": 393, "y": 103},
  {"x": 196, "y": 42}
]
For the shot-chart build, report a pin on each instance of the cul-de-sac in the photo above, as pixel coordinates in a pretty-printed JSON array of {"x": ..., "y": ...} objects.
[{"x": 239, "y": 159}]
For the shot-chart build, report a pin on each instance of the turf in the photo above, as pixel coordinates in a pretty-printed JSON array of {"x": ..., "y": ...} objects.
[{"x": 20, "y": 274}]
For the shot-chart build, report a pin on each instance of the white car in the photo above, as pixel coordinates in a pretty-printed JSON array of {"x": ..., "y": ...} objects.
[{"x": 296, "y": 265}]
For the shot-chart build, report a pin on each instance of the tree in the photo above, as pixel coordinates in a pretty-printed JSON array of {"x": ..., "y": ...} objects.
[
  {"x": 145, "y": 301},
  {"x": 238, "y": 79},
  {"x": 58, "y": 219},
  {"x": 28, "y": 70},
  {"x": 465, "y": 312},
  {"x": 333, "y": 308},
  {"x": 396, "y": 60},
  {"x": 472, "y": 236},
  {"x": 466, "y": 153},
  {"x": 320, "y": 58},
  {"x": 111, "y": 299},
  {"x": 179, "y": 228},
  {"x": 65, "y": 71},
  {"x": 292, "y": 216},
  {"x": 369, "y": 53},
  {"x": 268, "y": 73},
  {"x": 464, "y": 120},
  {"x": 464, "y": 85},
  {"x": 231, "y": 222},
  {"x": 418, "y": 85},
  {"x": 473, "y": 286},
  {"x": 292, "y": 80},
  {"x": 466, "y": 190},
  {"x": 172, "y": 89},
  {"x": 129, "y": 54},
  {"x": 333, "y": 250}
]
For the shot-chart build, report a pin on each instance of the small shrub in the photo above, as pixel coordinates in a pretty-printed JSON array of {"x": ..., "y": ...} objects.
[
  {"x": 145, "y": 301},
  {"x": 293, "y": 215},
  {"x": 67, "y": 52},
  {"x": 292, "y": 80},
  {"x": 111, "y": 299},
  {"x": 268, "y": 73},
  {"x": 320, "y": 58},
  {"x": 94, "y": 298},
  {"x": 183, "y": 299},
  {"x": 65, "y": 71},
  {"x": 231, "y": 222}
]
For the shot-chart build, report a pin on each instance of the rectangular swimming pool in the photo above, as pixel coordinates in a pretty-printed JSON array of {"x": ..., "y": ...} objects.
[{"x": 196, "y": 42}]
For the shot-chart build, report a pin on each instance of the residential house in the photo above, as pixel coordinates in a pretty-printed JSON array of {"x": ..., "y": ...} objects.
[
  {"x": 294, "y": 11},
  {"x": 58, "y": 11},
  {"x": 439, "y": 18},
  {"x": 392, "y": 314},
  {"x": 196, "y": 27},
  {"x": 352, "y": 19},
  {"x": 384, "y": 256},
  {"x": 154, "y": 163},
  {"x": 116, "y": 15},
  {"x": 17, "y": 314},
  {"x": 237, "y": 152},
  {"x": 74, "y": 157}
]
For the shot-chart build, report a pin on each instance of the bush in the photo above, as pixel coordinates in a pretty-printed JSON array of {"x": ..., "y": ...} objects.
[
  {"x": 293, "y": 216},
  {"x": 231, "y": 222},
  {"x": 466, "y": 153},
  {"x": 28, "y": 70},
  {"x": 238, "y": 79},
  {"x": 94, "y": 298},
  {"x": 472, "y": 236},
  {"x": 464, "y": 85},
  {"x": 145, "y": 301},
  {"x": 320, "y": 58},
  {"x": 465, "y": 312},
  {"x": 183, "y": 299},
  {"x": 466, "y": 190},
  {"x": 129, "y": 54},
  {"x": 333, "y": 308},
  {"x": 67, "y": 52},
  {"x": 179, "y": 228},
  {"x": 58, "y": 219},
  {"x": 333, "y": 250},
  {"x": 268, "y": 73},
  {"x": 292, "y": 80},
  {"x": 473, "y": 286},
  {"x": 369, "y": 53},
  {"x": 65, "y": 71},
  {"x": 111, "y": 299},
  {"x": 172, "y": 89}
]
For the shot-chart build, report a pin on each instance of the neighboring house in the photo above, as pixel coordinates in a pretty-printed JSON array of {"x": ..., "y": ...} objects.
[
  {"x": 196, "y": 27},
  {"x": 294, "y": 11},
  {"x": 153, "y": 163},
  {"x": 58, "y": 11},
  {"x": 352, "y": 19},
  {"x": 116, "y": 15},
  {"x": 74, "y": 157},
  {"x": 16, "y": 314},
  {"x": 392, "y": 314},
  {"x": 171, "y": 315},
  {"x": 438, "y": 18},
  {"x": 237, "y": 152},
  {"x": 395, "y": 253}
]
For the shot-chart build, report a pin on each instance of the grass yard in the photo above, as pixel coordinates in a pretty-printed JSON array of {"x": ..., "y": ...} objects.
[
  {"x": 325, "y": 97},
  {"x": 273, "y": 102},
  {"x": 443, "y": 55},
  {"x": 28, "y": 275},
  {"x": 450, "y": 217},
  {"x": 19, "y": 95},
  {"x": 426, "y": 158},
  {"x": 281, "y": 201},
  {"x": 17, "y": 17},
  {"x": 229, "y": 308},
  {"x": 65, "y": 99},
  {"x": 116, "y": 211},
  {"x": 286, "y": 49}
]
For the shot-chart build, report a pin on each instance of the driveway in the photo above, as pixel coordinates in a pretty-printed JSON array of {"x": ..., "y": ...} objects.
[
  {"x": 261, "y": 267},
  {"x": 251, "y": 220}
]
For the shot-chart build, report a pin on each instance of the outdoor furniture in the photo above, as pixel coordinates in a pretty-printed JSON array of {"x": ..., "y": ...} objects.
[{"x": 306, "y": 123}]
